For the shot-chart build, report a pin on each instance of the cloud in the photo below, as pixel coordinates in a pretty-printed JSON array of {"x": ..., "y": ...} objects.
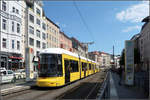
[
  {"x": 57, "y": 23},
  {"x": 134, "y": 13},
  {"x": 131, "y": 28}
]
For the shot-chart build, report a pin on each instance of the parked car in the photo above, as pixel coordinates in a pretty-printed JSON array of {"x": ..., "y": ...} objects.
[
  {"x": 20, "y": 74},
  {"x": 7, "y": 76}
]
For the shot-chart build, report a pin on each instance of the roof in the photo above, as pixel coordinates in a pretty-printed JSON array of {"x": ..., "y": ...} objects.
[
  {"x": 61, "y": 51},
  {"x": 65, "y": 35},
  {"x": 146, "y": 19},
  {"x": 52, "y": 22}
]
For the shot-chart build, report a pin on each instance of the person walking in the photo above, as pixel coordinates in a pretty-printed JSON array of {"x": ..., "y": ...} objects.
[{"x": 120, "y": 71}]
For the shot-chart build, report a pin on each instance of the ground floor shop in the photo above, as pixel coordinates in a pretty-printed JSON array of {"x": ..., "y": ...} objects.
[{"x": 11, "y": 61}]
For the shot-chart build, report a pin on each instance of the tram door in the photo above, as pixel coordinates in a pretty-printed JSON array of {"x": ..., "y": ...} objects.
[{"x": 67, "y": 71}]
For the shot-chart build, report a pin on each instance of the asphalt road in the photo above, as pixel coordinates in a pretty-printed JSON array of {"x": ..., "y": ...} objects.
[{"x": 59, "y": 93}]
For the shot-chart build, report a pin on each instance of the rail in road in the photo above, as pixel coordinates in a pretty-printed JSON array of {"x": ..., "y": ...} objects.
[{"x": 90, "y": 84}]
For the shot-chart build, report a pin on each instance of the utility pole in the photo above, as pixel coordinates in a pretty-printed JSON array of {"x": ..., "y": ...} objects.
[
  {"x": 87, "y": 44},
  {"x": 113, "y": 58}
]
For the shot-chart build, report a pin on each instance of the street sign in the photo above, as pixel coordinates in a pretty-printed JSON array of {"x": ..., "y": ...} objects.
[{"x": 129, "y": 62}]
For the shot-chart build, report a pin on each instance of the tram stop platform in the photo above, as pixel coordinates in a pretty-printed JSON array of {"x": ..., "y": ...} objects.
[
  {"x": 124, "y": 92},
  {"x": 6, "y": 89}
]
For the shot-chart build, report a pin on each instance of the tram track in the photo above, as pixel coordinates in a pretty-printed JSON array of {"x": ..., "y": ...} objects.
[
  {"x": 50, "y": 93},
  {"x": 86, "y": 90}
]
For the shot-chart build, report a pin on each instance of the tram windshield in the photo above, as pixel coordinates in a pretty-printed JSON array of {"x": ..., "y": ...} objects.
[{"x": 50, "y": 65}]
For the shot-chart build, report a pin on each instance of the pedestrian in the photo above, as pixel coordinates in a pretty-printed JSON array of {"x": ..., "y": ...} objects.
[{"x": 120, "y": 71}]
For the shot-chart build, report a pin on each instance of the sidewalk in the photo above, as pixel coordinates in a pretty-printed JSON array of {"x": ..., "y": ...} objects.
[
  {"x": 12, "y": 88},
  {"x": 125, "y": 92}
]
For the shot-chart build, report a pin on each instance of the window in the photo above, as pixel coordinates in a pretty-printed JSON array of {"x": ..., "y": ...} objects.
[
  {"x": 31, "y": 29},
  {"x": 31, "y": 41},
  {"x": 18, "y": 45},
  {"x": 13, "y": 44},
  {"x": 13, "y": 25},
  {"x": 4, "y": 6},
  {"x": 31, "y": 17},
  {"x": 38, "y": 44},
  {"x": 4, "y": 44},
  {"x": 38, "y": 11},
  {"x": 74, "y": 66},
  {"x": 38, "y": 33},
  {"x": 43, "y": 36},
  {"x": 84, "y": 66},
  {"x": 18, "y": 28},
  {"x": 13, "y": 9},
  {"x": 38, "y": 22},
  {"x": 43, "y": 45},
  {"x": 4, "y": 24},
  {"x": 17, "y": 11},
  {"x": 44, "y": 26},
  {"x": 90, "y": 67}
]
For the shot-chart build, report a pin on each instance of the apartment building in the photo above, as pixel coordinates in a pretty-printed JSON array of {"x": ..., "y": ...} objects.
[
  {"x": 95, "y": 55},
  {"x": 144, "y": 44},
  {"x": 79, "y": 48},
  {"x": 11, "y": 21},
  {"x": 65, "y": 42},
  {"x": 52, "y": 34},
  {"x": 35, "y": 28},
  {"x": 105, "y": 59}
]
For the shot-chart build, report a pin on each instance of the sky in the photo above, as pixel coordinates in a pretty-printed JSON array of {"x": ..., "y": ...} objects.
[{"x": 107, "y": 23}]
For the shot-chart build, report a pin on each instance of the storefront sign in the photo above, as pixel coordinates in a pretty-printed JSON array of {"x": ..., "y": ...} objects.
[{"x": 129, "y": 62}]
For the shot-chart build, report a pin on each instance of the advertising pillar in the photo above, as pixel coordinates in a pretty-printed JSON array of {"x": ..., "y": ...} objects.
[
  {"x": 129, "y": 62},
  {"x": 29, "y": 64}
]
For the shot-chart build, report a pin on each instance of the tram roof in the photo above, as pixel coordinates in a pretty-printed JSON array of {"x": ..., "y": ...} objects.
[{"x": 62, "y": 51}]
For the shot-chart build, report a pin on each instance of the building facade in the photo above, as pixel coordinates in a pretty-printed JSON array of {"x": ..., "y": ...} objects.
[
  {"x": 11, "y": 22},
  {"x": 144, "y": 44},
  {"x": 79, "y": 48},
  {"x": 65, "y": 42},
  {"x": 52, "y": 34},
  {"x": 35, "y": 28},
  {"x": 105, "y": 59}
]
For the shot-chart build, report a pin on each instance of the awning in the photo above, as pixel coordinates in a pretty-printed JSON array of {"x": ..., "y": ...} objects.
[{"x": 12, "y": 57}]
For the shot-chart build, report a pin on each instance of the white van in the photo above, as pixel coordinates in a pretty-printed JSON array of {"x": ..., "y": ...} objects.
[{"x": 7, "y": 76}]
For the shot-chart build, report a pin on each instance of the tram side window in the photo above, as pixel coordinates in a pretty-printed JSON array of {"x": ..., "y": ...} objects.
[
  {"x": 59, "y": 64},
  {"x": 90, "y": 67},
  {"x": 84, "y": 65},
  {"x": 74, "y": 66}
]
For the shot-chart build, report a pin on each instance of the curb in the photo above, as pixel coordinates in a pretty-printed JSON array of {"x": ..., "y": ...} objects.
[{"x": 14, "y": 90}]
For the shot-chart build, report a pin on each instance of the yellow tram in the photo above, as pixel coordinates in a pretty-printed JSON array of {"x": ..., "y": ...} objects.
[{"x": 59, "y": 67}]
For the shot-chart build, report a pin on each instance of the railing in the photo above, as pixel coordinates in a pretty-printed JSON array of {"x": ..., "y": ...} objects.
[{"x": 104, "y": 92}]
